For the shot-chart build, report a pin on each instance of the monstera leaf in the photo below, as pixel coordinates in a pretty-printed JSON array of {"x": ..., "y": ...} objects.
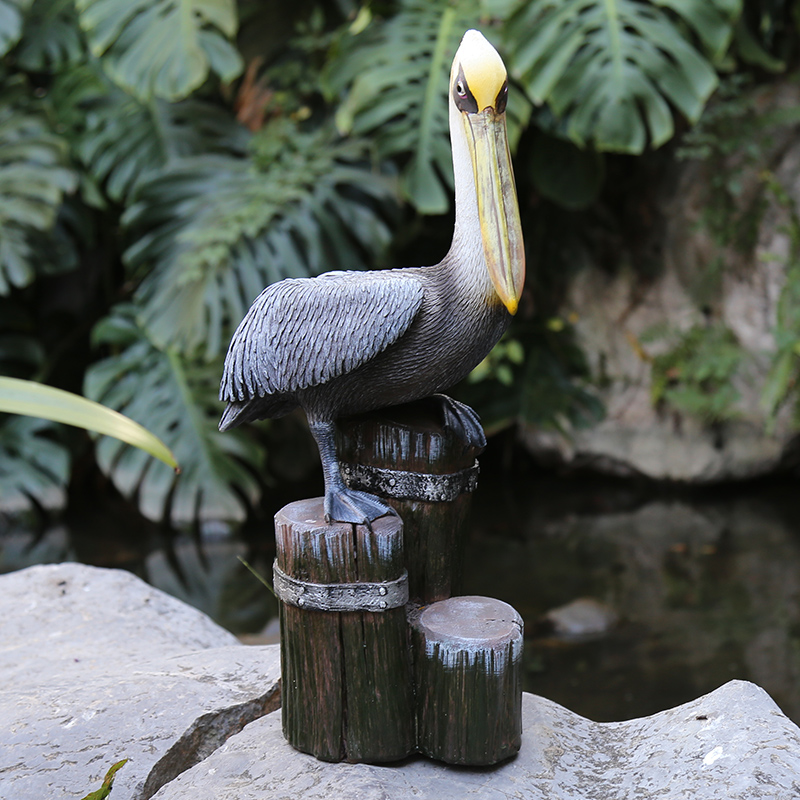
[
  {"x": 162, "y": 48},
  {"x": 176, "y": 399},
  {"x": 12, "y": 13},
  {"x": 33, "y": 180},
  {"x": 613, "y": 70},
  {"x": 52, "y": 39},
  {"x": 212, "y": 232},
  {"x": 394, "y": 78},
  {"x": 122, "y": 141},
  {"x": 34, "y": 467}
]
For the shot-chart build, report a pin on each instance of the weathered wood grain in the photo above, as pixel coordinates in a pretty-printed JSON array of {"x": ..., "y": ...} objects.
[
  {"x": 468, "y": 680},
  {"x": 346, "y": 675},
  {"x": 412, "y": 438}
]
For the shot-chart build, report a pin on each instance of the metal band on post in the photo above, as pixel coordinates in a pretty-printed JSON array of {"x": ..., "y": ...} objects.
[
  {"x": 340, "y": 596},
  {"x": 402, "y": 485}
]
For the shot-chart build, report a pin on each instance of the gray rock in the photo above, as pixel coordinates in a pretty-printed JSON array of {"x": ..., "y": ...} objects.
[
  {"x": 614, "y": 311},
  {"x": 733, "y": 743},
  {"x": 581, "y": 619},
  {"x": 97, "y": 666}
]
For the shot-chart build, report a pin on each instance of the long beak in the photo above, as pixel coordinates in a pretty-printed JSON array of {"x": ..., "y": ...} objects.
[{"x": 497, "y": 204}]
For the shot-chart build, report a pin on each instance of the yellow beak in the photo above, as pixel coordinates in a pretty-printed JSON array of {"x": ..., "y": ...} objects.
[{"x": 497, "y": 204}]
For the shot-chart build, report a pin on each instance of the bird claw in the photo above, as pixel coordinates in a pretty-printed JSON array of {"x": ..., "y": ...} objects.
[
  {"x": 351, "y": 505},
  {"x": 462, "y": 421}
]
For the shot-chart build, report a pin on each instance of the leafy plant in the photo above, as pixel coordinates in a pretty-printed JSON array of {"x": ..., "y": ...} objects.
[
  {"x": 34, "y": 177},
  {"x": 56, "y": 405},
  {"x": 695, "y": 375},
  {"x": 149, "y": 192},
  {"x": 176, "y": 398},
  {"x": 162, "y": 48},
  {"x": 108, "y": 782},
  {"x": 393, "y": 77},
  {"x": 782, "y": 380},
  {"x": 122, "y": 141},
  {"x": 34, "y": 465},
  {"x": 610, "y": 70}
]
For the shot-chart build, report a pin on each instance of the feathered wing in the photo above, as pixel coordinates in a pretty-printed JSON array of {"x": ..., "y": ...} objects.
[{"x": 305, "y": 331}]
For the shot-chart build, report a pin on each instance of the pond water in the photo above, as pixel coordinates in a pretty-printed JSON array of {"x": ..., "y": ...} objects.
[{"x": 691, "y": 589}]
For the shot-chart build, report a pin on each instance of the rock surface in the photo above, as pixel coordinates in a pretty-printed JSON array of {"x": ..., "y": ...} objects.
[
  {"x": 694, "y": 281},
  {"x": 97, "y": 666},
  {"x": 733, "y": 743}
]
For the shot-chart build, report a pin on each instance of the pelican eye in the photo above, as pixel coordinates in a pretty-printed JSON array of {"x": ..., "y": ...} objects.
[
  {"x": 462, "y": 96},
  {"x": 502, "y": 99}
]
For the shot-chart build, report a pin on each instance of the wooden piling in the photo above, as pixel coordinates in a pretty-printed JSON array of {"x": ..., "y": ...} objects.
[
  {"x": 406, "y": 456},
  {"x": 468, "y": 680},
  {"x": 346, "y": 674}
]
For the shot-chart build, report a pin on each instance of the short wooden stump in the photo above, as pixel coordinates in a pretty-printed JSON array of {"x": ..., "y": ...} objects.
[
  {"x": 467, "y": 654},
  {"x": 346, "y": 672}
]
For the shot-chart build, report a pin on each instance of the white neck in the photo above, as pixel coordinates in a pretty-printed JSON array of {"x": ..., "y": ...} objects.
[{"x": 466, "y": 255}]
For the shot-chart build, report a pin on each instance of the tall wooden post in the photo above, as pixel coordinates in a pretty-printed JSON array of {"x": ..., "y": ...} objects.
[
  {"x": 349, "y": 690},
  {"x": 405, "y": 455},
  {"x": 346, "y": 676}
]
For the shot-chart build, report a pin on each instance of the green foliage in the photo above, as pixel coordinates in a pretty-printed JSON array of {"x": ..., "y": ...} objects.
[
  {"x": 52, "y": 40},
  {"x": 211, "y": 232},
  {"x": 162, "y": 48},
  {"x": 34, "y": 465},
  {"x": 695, "y": 375},
  {"x": 164, "y": 191},
  {"x": 565, "y": 174},
  {"x": 555, "y": 389},
  {"x": 36, "y": 400},
  {"x": 34, "y": 178},
  {"x": 108, "y": 782},
  {"x": 122, "y": 142},
  {"x": 541, "y": 379},
  {"x": 610, "y": 69},
  {"x": 396, "y": 73},
  {"x": 735, "y": 137},
  {"x": 499, "y": 364},
  {"x": 12, "y": 14},
  {"x": 782, "y": 384},
  {"x": 176, "y": 399}
]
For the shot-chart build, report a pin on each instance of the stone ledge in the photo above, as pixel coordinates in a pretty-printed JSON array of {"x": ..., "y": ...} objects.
[
  {"x": 732, "y": 744},
  {"x": 97, "y": 666}
]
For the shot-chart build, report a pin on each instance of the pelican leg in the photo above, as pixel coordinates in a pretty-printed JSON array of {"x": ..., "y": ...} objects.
[
  {"x": 462, "y": 420},
  {"x": 343, "y": 504}
]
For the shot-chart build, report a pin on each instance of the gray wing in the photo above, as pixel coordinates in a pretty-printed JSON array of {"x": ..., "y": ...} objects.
[{"x": 302, "y": 332}]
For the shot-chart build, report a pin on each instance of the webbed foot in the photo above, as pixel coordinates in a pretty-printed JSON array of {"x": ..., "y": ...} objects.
[
  {"x": 463, "y": 421},
  {"x": 351, "y": 505}
]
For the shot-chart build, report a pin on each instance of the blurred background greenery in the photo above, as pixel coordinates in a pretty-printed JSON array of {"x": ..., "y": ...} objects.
[{"x": 162, "y": 161}]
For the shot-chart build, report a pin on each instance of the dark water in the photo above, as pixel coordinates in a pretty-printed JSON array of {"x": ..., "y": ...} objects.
[{"x": 700, "y": 587}]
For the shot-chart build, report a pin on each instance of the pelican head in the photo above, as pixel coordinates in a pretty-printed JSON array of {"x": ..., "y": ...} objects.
[{"x": 478, "y": 95}]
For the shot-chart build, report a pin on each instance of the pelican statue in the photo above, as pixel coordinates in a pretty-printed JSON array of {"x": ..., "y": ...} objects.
[{"x": 349, "y": 342}]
